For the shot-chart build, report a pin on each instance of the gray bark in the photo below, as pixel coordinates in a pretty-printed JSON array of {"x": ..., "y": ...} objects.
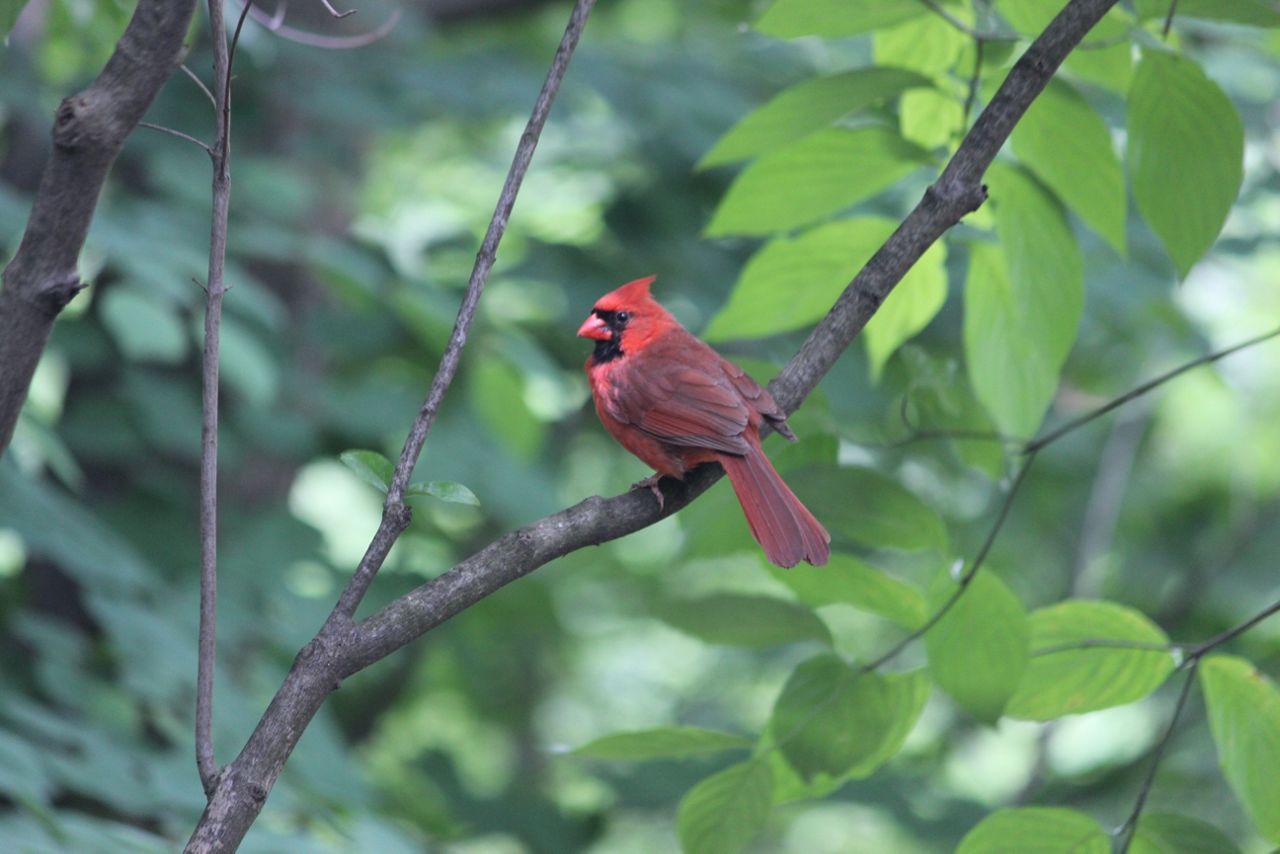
[{"x": 88, "y": 132}]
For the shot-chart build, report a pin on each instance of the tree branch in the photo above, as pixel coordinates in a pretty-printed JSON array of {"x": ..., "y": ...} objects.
[
  {"x": 88, "y": 132},
  {"x": 395, "y": 513},
  {"x": 215, "y": 290},
  {"x": 1126, "y": 831},
  {"x": 237, "y": 796},
  {"x": 342, "y": 648}
]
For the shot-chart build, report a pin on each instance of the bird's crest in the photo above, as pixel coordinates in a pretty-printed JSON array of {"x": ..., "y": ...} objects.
[{"x": 629, "y": 295}]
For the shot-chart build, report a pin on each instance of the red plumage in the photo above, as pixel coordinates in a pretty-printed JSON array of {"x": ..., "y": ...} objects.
[{"x": 675, "y": 403}]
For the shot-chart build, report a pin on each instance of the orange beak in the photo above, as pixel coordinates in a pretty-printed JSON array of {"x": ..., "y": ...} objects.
[{"x": 594, "y": 327}]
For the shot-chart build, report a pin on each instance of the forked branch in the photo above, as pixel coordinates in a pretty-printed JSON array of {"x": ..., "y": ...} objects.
[{"x": 342, "y": 647}]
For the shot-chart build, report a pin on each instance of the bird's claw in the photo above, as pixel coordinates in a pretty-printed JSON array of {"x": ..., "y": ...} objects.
[{"x": 651, "y": 483}]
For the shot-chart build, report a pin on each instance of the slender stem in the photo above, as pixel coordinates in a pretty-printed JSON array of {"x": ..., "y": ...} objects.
[
  {"x": 334, "y": 12},
  {"x": 195, "y": 78},
  {"x": 395, "y": 517},
  {"x": 275, "y": 23},
  {"x": 1075, "y": 423},
  {"x": 179, "y": 134},
  {"x": 1127, "y": 829},
  {"x": 1168, "y": 19},
  {"x": 1197, "y": 652},
  {"x": 215, "y": 289}
]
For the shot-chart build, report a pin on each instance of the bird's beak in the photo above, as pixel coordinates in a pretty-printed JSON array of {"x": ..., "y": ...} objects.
[{"x": 594, "y": 327}]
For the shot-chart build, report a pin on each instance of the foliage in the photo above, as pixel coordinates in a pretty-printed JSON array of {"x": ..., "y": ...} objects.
[{"x": 669, "y": 689}]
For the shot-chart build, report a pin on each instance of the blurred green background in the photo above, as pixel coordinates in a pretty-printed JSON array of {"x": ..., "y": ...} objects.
[{"x": 362, "y": 182}]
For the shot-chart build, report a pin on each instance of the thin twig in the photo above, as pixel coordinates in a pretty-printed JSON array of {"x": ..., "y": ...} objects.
[
  {"x": 275, "y": 23},
  {"x": 965, "y": 578},
  {"x": 1168, "y": 19},
  {"x": 395, "y": 515},
  {"x": 1127, "y": 829},
  {"x": 1073, "y": 424},
  {"x": 334, "y": 12},
  {"x": 1197, "y": 652},
  {"x": 215, "y": 289},
  {"x": 195, "y": 78},
  {"x": 1029, "y": 451},
  {"x": 231, "y": 56},
  {"x": 179, "y": 134}
]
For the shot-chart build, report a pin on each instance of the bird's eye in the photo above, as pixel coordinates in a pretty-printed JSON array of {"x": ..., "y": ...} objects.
[{"x": 623, "y": 316}]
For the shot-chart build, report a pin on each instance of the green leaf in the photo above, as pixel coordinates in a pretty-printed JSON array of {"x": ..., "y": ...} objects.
[
  {"x": 496, "y": 391},
  {"x": 1022, "y": 303},
  {"x": 1244, "y": 717},
  {"x": 1068, "y": 146},
  {"x": 143, "y": 326},
  {"x": 940, "y": 398},
  {"x": 1175, "y": 833},
  {"x": 907, "y": 693},
  {"x": 372, "y": 467},
  {"x": 978, "y": 650},
  {"x": 791, "y": 18},
  {"x": 445, "y": 490},
  {"x": 829, "y": 717},
  {"x": 1109, "y": 66},
  {"x": 801, "y": 109},
  {"x": 662, "y": 743},
  {"x": 248, "y": 366},
  {"x": 929, "y": 118},
  {"x": 1185, "y": 154},
  {"x": 927, "y": 44},
  {"x": 725, "y": 811},
  {"x": 1068, "y": 681},
  {"x": 738, "y": 620},
  {"x": 869, "y": 508},
  {"x": 807, "y": 180},
  {"x": 908, "y": 308},
  {"x": 792, "y": 281},
  {"x": 1261, "y": 13},
  {"x": 22, "y": 773},
  {"x": 1036, "y": 830},
  {"x": 848, "y": 580}
]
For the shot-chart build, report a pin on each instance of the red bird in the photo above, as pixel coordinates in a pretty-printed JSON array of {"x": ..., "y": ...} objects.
[{"x": 675, "y": 403}]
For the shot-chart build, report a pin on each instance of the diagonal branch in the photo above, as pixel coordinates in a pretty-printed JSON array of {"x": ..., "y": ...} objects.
[
  {"x": 396, "y": 514},
  {"x": 342, "y": 648},
  {"x": 88, "y": 132}
]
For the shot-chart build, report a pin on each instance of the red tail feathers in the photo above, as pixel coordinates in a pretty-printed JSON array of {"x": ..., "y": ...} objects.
[{"x": 784, "y": 527}]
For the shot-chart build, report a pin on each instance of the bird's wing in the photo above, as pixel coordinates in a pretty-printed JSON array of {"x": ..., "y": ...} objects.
[
  {"x": 758, "y": 397},
  {"x": 679, "y": 396}
]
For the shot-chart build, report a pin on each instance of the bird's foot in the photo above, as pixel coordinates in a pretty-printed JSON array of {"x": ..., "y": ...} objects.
[{"x": 651, "y": 483}]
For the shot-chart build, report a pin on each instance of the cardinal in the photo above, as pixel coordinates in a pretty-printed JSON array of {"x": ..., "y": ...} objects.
[{"x": 675, "y": 403}]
